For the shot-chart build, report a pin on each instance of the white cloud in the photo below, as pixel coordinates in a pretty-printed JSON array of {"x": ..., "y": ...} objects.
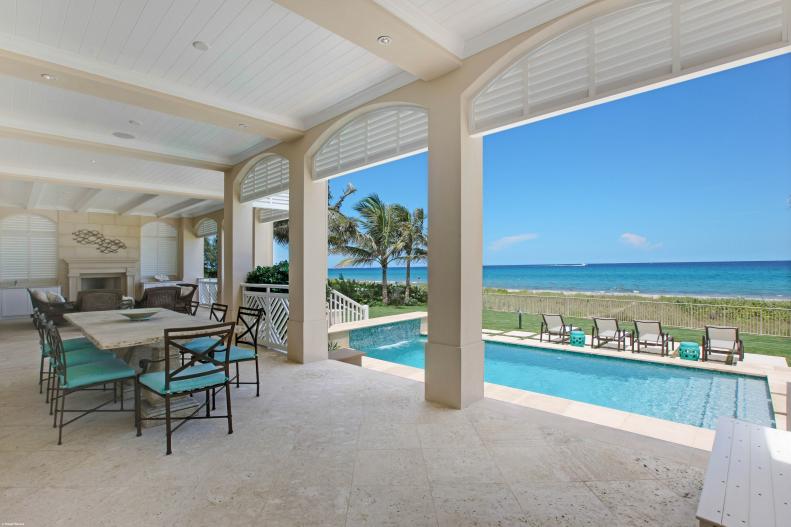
[
  {"x": 640, "y": 242},
  {"x": 509, "y": 241}
]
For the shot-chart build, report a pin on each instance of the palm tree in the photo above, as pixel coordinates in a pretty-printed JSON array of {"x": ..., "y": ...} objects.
[
  {"x": 378, "y": 239},
  {"x": 340, "y": 228},
  {"x": 414, "y": 242}
]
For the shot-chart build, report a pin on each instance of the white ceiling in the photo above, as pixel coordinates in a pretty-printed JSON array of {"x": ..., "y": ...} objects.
[
  {"x": 264, "y": 62},
  {"x": 62, "y": 197}
]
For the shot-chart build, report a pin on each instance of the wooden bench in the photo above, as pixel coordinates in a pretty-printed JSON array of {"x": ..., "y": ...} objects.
[{"x": 748, "y": 479}]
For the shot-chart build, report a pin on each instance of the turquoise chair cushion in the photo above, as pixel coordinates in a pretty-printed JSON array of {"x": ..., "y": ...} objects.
[
  {"x": 96, "y": 373},
  {"x": 156, "y": 380},
  {"x": 237, "y": 354},
  {"x": 71, "y": 345},
  {"x": 202, "y": 344},
  {"x": 84, "y": 356}
]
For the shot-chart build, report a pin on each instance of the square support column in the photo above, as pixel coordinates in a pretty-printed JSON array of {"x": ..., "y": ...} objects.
[
  {"x": 454, "y": 352},
  {"x": 307, "y": 250},
  {"x": 263, "y": 243},
  {"x": 237, "y": 240}
]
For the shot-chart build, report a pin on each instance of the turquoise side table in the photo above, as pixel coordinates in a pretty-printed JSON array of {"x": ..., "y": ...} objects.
[
  {"x": 577, "y": 338},
  {"x": 689, "y": 351}
]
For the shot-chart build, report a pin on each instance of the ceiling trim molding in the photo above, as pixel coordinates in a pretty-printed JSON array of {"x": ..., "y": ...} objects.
[
  {"x": 135, "y": 203},
  {"x": 540, "y": 14},
  {"x": 363, "y": 97},
  {"x": 34, "y": 197},
  {"x": 179, "y": 207},
  {"x": 28, "y": 60},
  {"x": 109, "y": 148},
  {"x": 82, "y": 180},
  {"x": 410, "y": 49},
  {"x": 88, "y": 197},
  {"x": 418, "y": 19}
]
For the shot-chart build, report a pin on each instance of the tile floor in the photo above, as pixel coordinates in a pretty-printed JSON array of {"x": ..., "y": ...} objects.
[{"x": 331, "y": 444}]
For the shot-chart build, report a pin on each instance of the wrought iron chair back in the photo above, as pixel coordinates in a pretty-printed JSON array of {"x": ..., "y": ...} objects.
[
  {"x": 193, "y": 307},
  {"x": 218, "y": 312},
  {"x": 177, "y": 339},
  {"x": 57, "y": 356},
  {"x": 248, "y": 320}
]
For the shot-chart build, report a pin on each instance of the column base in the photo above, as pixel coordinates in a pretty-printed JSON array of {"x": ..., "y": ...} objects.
[
  {"x": 307, "y": 341},
  {"x": 454, "y": 375}
]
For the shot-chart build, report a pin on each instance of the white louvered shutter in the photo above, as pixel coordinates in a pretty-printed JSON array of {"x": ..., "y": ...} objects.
[
  {"x": 372, "y": 138},
  {"x": 270, "y": 215},
  {"x": 268, "y": 176},
  {"x": 206, "y": 227},
  {"x": 627, "y": 49},
  {"x": 159, "y": 244},
  {"x": 28, "y": 250}
]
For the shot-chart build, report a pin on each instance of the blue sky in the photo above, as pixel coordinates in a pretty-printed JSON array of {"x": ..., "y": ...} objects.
[{"x": 699, "y": 171}]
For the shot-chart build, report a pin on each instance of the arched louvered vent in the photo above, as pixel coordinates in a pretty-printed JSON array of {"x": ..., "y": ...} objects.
[
  {"x": 650, "y": 42},
  {"x": 268, "y": 176},
  {"x": 371, "y": 138},
  {"x": 206, "y": 227},
  {"x": 270, "y": 215}
]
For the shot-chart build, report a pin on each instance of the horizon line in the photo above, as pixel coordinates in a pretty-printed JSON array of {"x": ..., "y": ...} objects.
[{"x": 577, "y": 264}]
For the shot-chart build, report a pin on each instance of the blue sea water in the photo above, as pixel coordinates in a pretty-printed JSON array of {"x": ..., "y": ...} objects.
[
  {"x": 767, "y": 280},
  {"x": 684, "y": 395}
]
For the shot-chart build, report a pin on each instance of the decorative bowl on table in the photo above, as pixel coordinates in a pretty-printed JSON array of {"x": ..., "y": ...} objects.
[{"x": 140, "y": 314}]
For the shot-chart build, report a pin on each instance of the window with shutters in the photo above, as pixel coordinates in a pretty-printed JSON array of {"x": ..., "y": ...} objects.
[
  {"x": 206, "y": 227},
  {"x": 268, "y": 176},
  {"x": 373, "y": 138},
  {"x": 651, "y": 42},
  {"x": 159, "y": 247},
  {"x": 28, "y": 250}
]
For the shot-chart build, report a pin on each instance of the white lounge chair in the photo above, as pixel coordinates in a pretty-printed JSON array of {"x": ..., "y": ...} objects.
[
  {"x": 649, "y": 333},
  {"x": 553, "y": 325},
  {"x": 607, "y": 330},
  {"x": 724, "y": 340}
]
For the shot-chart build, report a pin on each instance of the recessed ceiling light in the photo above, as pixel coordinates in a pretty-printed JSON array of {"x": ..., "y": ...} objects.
[
  {"x": 123, "y": 135},
  {"x": 134, "y": 122},
  {"x": 200, "y": 45},
  {"x": 47, "y": 77},
  {"x": 93, "y": 161},
  {"x": 384, "y": 40},
  {"x": 242, "y": 125}
]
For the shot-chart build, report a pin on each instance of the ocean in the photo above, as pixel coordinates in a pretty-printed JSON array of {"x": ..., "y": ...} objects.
[{"x": 765, "y": 280}]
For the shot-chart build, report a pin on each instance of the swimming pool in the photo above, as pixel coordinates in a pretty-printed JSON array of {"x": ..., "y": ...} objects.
[{"x": 676, "y": 393}]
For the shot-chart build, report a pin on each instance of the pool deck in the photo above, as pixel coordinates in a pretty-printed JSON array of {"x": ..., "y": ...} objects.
[{"x": 774, "y": 369}]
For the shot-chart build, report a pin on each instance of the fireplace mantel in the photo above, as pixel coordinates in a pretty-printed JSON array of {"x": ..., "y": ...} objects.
[{"x": 77, "y": 268}]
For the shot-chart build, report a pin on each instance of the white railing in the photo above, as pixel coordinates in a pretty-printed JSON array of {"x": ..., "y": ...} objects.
[
  {"x": 341, "y": 308},
  {"x": 273, "y": 300},
  {"x": 750, "y": 319},
  {"x": 207, "y": 291}
]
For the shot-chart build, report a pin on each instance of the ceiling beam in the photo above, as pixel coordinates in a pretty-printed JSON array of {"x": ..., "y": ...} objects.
[
  {"x": 126, "y": 185},
  {"x": 410, "y": 49},
  {"x": 34, "y": 197},
  {"x": 29, "y": 60},
  {"x": 136, "y": 203},
  {"x": 87, "y": 199},
  {"x": 111, "y": 149},
  {"x": 179, "y": 207}
]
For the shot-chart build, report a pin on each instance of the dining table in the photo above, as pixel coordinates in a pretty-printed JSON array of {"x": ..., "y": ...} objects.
[{"x": 134, "y": 340}]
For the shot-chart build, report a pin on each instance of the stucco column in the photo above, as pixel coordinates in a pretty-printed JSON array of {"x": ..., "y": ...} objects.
[
  {"x": 237, "y": 239},
  {"x": 191, "y": 252},
  {"x": 454, "y": 352},
  {"x": 262, "y": 243},
  {"x": 307, "y": 251}
]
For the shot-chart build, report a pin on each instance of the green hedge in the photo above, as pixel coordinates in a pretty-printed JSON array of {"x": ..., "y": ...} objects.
[
  {"x": 371, "y": 292},
  {"x": 276, "y": 274}
]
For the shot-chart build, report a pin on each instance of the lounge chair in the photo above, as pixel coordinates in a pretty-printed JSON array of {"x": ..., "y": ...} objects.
[
  {"x": 722, "y": 339},
  {"x": 553, "y": 325},
  {"x": 649, "y": 333},
  {"x": 607, "y": 330}
]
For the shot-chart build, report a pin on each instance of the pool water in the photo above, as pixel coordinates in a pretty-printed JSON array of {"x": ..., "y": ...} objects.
[{"x": 684, "y": 395}]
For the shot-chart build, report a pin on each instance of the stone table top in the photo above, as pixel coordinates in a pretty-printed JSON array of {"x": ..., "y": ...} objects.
[{"x": 110, "y": 330}]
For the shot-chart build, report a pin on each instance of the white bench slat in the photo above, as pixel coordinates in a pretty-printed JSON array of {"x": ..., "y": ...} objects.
[
  {"x": 780, "y": 454},
  {"x": 712, "y": 500},
  {"x": 737, "y": 486},
  {"x": 761, "y": 500}
]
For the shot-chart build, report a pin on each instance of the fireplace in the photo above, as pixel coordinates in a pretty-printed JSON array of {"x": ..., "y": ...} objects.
[{"x": 101, "y": 273}]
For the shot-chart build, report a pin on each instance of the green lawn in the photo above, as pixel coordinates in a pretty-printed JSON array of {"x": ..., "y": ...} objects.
[{"x": 779, "y": 346}]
